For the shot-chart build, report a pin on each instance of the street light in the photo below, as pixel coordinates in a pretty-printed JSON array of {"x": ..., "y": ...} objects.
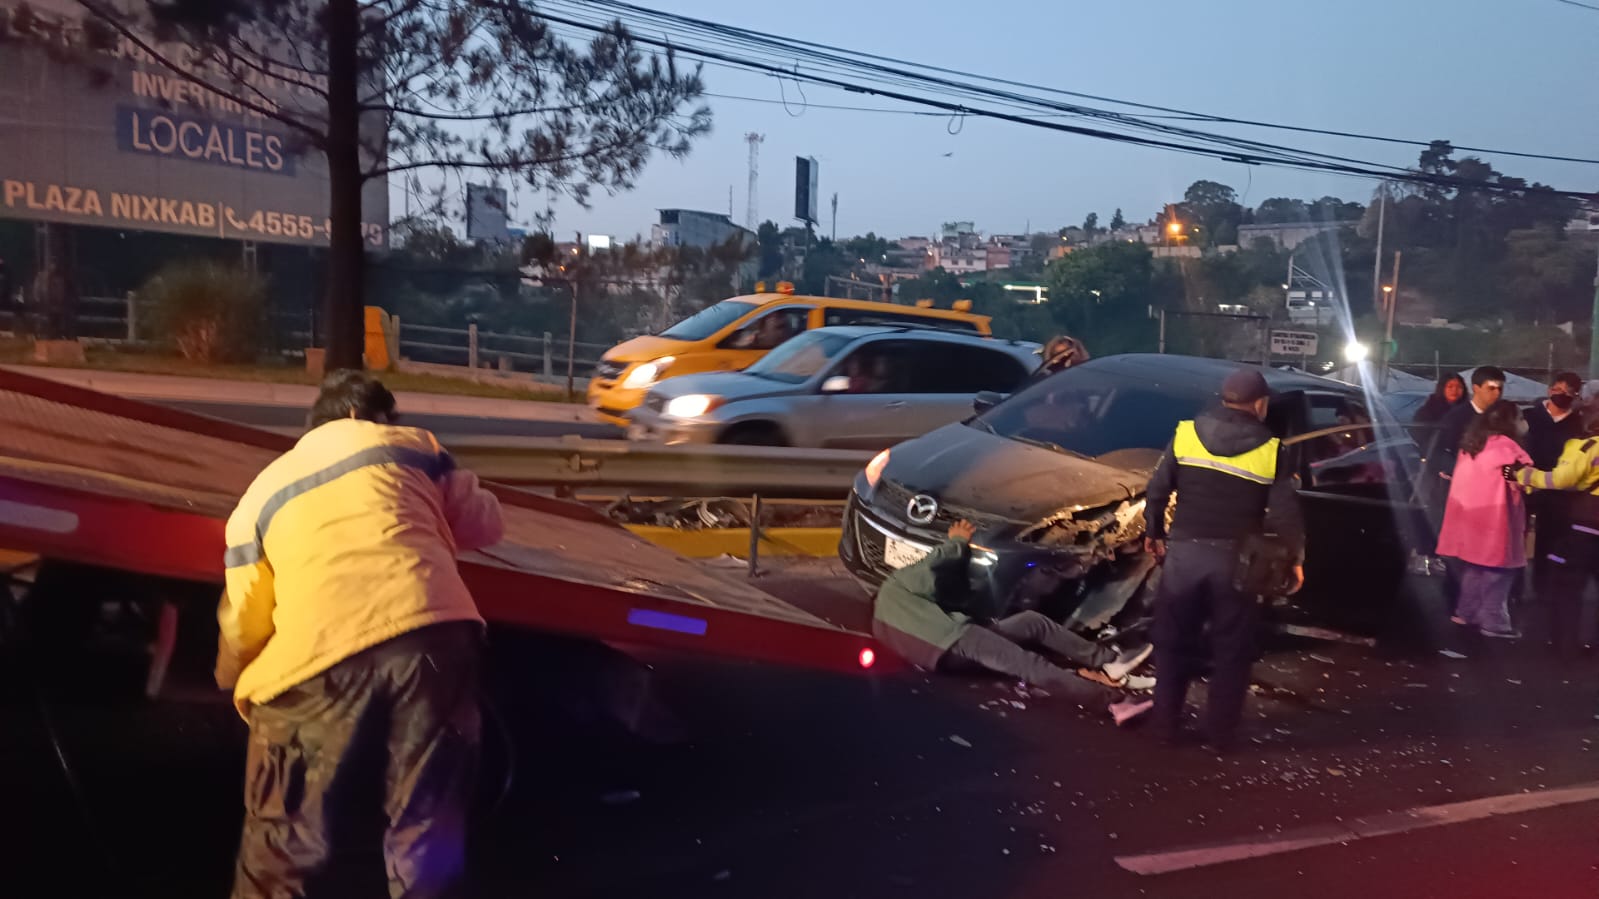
[
  {"x": 1356, "y": 352},
  {"x": 1174, "y": 229}
]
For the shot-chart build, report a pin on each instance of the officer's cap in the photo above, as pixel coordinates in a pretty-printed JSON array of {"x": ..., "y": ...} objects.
[{"x": 1245, "y": 385}]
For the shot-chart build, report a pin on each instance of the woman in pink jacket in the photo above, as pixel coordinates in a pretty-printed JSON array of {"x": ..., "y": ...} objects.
[{"x": 1485, "y": 522}]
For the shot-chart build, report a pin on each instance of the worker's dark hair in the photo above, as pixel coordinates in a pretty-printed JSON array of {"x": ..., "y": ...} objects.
[
  {"x": 1571, "y": 379},
  {"x": 1502, "y": 418},
  {"x": 1486, "y": 373},
  {"x": 350, "y": 391}
]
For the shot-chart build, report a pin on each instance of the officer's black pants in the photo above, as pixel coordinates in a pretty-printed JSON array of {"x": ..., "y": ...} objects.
[
  {"x": 378, "y": 751},
  {"x": 1573, "y": 561},
  {"x": 1196, "y": 588}
]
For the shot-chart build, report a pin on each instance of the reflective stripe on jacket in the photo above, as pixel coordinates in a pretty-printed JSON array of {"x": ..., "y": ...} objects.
[
  {"x": 1577, "y": 470},
  {"x": 347, "y": 540},
  {"x": 1258, "y": 465}
]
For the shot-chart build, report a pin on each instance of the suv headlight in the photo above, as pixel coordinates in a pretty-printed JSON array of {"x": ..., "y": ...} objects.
[
  {"x": 648, "y": 373},
  {"x": 691, "y": 406}
]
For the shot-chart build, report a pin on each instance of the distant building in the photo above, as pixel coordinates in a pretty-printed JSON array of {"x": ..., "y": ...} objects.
[
  {"x": 960, "y": 261},
  {"x": 693, "y": 228},
  {"x": 1287, "y": 236}
]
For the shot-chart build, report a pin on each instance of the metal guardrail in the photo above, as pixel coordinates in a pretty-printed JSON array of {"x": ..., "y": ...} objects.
[
  {"x": 473, "y": 348},
  {"x": 689, "y": 471}
]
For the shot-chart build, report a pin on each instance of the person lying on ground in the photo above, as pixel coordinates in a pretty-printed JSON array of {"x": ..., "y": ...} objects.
[{"x": 909, "y": 618}]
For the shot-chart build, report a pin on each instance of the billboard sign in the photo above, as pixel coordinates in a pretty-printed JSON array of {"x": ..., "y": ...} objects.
[
  {"x": 805, "y": 189},
  {"x": 486, "y": 213},
  {"x": 120, "y": 140},
  {"x": 1294, "y": 343}
]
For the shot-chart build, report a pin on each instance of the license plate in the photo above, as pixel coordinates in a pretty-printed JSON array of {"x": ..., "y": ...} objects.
[{"x": 898, "y": 554}]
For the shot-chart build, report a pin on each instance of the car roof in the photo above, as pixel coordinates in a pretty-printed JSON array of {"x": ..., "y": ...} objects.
[
  {"x": 1017, "y": 348},
  {"x": 932, "y": 313},
  {"x": 1208, "y": 373}
]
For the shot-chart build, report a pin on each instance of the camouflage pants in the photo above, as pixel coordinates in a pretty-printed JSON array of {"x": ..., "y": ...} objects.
[{"x": 379, "y": 750}]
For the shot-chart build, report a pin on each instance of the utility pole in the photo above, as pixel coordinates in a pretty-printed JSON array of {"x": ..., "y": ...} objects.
[
  {"x": 1393, "y": 303},
  {"x": 1376, "y": 261},
  {"x": 835, "y": 217},
  {"x": 1593, "y": 339}
]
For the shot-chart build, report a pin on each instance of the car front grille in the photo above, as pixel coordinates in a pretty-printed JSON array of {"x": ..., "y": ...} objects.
[{"x": 606, "y": 371}]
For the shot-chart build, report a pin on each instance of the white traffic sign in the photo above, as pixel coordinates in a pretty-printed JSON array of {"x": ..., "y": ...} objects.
[{"x": 1294, "y": 343}]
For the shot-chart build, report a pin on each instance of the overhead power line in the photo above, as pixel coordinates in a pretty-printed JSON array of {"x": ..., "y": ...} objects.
[
  {"x": 766, "y": 40},
  {"x": 956, "y": 99}
]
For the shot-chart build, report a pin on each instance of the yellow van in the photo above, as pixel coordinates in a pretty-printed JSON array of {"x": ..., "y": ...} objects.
[{"x": 733, "y": 334}]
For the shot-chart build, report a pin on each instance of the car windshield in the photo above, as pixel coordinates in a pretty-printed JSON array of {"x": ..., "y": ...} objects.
[
  {"x": 799, "y": 360},
  {"x": 709, "y": 320},
  {"x": 1094, "y": 413}
]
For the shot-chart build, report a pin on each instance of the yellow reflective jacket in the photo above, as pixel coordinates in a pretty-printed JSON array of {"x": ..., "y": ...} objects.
[
  {"x": 1577, "y": 470},
  {"x": 345, "y": 541}
]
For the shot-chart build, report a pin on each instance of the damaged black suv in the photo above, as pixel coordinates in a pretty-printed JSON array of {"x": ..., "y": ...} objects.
[{"x": 1054, "y": 478}]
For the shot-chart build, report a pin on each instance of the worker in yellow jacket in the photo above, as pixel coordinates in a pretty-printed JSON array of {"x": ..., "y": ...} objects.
[
  {"x": 1572, "y": 553},
  {"x": 353, "y": 648}
]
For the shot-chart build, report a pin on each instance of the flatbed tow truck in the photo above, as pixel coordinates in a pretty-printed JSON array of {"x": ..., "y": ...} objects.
[{"x": 88, "y": 479}]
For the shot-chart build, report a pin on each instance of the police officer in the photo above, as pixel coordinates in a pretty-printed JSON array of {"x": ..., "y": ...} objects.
[
  {"x": 1226, "y": 469},
  {"x": 1573, "y": 553}
]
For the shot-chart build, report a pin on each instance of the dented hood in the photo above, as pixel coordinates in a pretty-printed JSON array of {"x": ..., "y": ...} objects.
[{"x": 968, "y": 467}]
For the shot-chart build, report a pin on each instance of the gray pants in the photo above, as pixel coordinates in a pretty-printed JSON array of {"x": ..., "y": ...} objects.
[{"x": 1000, "y": 646}]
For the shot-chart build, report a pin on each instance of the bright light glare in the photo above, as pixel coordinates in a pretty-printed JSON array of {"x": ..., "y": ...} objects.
[
  {"x": 874, "y": 468},
  {"x": 648, "y": 373},
  {"x": 1356, "y": 352},
  {"x": 691, "y": 406},
  {"x": 868, "y": 658},
  {"x": 1175, "y": 228}
]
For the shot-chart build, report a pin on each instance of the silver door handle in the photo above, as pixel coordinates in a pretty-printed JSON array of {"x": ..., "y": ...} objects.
[{"x": 897, "y": 404}]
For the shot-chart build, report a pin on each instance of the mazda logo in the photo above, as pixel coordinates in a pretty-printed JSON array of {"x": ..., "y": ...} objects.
[{"x": 922, "y": 509}]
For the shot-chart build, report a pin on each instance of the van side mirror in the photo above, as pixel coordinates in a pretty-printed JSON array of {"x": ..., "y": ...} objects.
[
  {"x": 836, "y": 384},
  {"x": 986, "y": 400}
]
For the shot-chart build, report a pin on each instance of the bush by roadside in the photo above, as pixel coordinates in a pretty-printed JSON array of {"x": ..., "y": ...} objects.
[{"x": 209, "y": 312}]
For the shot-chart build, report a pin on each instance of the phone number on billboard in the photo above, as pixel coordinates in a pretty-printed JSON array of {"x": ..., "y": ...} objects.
[{"x": 303, "y": 227}]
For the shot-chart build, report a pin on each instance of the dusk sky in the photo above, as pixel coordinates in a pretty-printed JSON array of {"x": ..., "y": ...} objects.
[{"x": 1510, "y": 74}]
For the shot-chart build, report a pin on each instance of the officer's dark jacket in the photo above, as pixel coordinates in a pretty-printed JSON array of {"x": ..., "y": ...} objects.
[{"x": 1222, "y": 500}]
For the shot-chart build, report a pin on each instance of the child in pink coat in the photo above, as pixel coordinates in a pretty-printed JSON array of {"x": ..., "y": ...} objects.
[{"x": 1485, "y": 522}]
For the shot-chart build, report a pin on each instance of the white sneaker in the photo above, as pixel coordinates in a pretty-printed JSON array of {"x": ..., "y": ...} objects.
[
  {"x": 1138, "y": 683},
  {"x": 1127, "y": 662},
  {"x": 1129, "y": 709}
]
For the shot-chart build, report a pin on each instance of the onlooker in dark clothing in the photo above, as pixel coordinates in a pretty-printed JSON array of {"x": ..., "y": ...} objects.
[
  {"x": 1231, "y": 481},
  {"x": 1487, "y": 386},
  {"x": 1550, "y": 426},
  {"x": 919, "y": 623},
  {"x": 1451, "y": 391},
  {"x": 1554, "y": 422}
]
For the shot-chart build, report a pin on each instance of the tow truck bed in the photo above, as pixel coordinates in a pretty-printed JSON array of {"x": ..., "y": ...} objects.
[{"x": 102, "y": 480}]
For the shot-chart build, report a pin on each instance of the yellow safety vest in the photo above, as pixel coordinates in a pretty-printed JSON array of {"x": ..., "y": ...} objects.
[{"x": 1258, "y": 466}]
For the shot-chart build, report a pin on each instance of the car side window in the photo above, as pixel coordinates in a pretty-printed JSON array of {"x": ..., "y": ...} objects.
[
  {"x": 1350, "y": 456},
  {"x": 881, "y": 366},
  {"x": 960, "y": 369},
  {"x": 769, "y": 331},
  {"x": 836, "y": 316}
]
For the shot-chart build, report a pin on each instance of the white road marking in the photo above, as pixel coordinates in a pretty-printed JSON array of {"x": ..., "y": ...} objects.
[{"x": 1356, "y": 829}]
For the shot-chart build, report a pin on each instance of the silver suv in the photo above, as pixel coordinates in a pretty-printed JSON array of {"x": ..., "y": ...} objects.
[{"x": 842, "y": 387}]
